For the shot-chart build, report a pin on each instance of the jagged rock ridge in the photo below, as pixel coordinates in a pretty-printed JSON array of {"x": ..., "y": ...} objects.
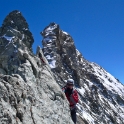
[
  {"x": 29, "y": 93},
  {"x": 101, "y": 95}
]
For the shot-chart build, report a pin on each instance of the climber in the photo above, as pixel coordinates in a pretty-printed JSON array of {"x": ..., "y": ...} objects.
[
  {"x": 72, "y": 97},
  {"x": 40, "y": 56}
]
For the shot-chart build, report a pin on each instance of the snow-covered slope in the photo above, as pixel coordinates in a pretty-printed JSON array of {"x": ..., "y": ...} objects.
[
  {"x": 101, "y": 95},
  {"x": 104, "y": 97}
]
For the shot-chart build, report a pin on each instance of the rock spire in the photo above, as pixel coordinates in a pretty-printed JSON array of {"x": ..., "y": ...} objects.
[{"x": 14, "y": 24}]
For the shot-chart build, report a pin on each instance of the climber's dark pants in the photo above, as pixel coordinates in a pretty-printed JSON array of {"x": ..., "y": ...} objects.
[{"x": 73, "y": 115}]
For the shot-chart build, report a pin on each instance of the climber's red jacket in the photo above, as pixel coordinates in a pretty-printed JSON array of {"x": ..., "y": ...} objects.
[{"x": 73, "y": 98}]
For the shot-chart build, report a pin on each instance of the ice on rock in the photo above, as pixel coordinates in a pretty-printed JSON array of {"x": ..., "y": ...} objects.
[
  {"x": 52, "y": 64},
  {"x": 65, "y": 32},
  {"x": 8, "y": 38}
]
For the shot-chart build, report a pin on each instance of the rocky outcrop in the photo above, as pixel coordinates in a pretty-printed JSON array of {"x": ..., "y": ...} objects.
[
  {"x": 101, "y": 95},
  {"x": 29, "y": 93},
  {"x": 60, "y": 51}
]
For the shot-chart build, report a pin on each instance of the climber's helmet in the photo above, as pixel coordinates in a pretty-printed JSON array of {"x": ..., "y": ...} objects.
[{"x": 70, "y": 82}]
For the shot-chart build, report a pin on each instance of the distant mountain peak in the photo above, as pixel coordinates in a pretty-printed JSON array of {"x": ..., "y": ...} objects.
[
  {"x": 50, "y": 30},
  {"x": 15, "y": 22}
]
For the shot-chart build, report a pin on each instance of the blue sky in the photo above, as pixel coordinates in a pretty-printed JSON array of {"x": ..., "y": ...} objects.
[{"x": 97, "y": 26}]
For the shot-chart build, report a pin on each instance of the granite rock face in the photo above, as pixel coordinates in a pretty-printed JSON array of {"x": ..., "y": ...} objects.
[
  {"x": 29, "y": 93},
  {"x": 101, "y": 95}
]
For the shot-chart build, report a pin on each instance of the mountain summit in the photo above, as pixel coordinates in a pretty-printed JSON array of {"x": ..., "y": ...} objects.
[
  {"x": 14, "y": 24},
  {"x": 101, "y": 95}
]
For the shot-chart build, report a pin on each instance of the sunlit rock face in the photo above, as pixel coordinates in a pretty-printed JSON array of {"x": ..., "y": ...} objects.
[
  {"x": 29, "y": 93},
  {"x": 101, "y": 94}
]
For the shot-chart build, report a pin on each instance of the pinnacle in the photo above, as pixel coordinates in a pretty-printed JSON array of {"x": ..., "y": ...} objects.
[
  {"x": 15, "y": 21},
  {"x": 51, "y": 29}
]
